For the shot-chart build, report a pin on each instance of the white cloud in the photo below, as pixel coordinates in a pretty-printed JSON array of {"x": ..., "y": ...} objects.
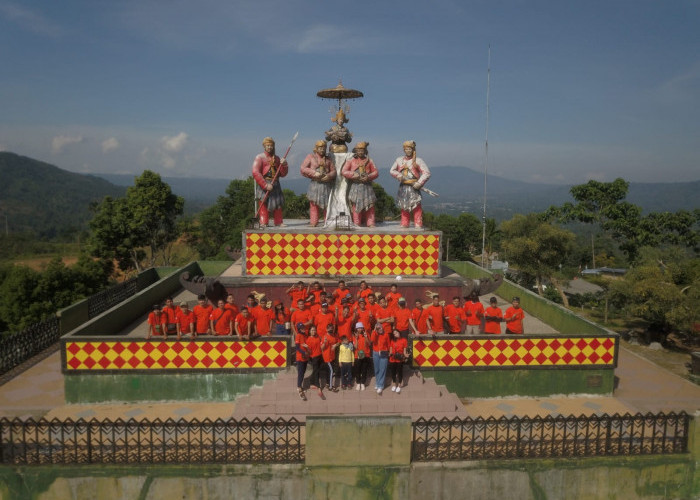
[
  {"x": 109, "y": 145},
  {"x": 61, "y": 141},
  {"x": 174, "y": 144},
  {"x": 30, "y": 20}
]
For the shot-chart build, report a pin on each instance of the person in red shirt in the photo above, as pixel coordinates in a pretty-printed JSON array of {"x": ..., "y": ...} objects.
[
  {"x": 283, "y": 318},
  {"x": 296, "y": 293},
  {"x": 324, "y": 318},
  {"x": 392, "y": 298},
  {"x": 302, "y": 357},
  {"x": 419, "y": 318},
  {"x": 514, "y": 318},
  {"x": 384, "y": 316},
  {"x": 202, "y": 312},
  {"x": 264, "y": 317},
  {"x": 364, "y": 314},
  {"x": 345, "y": 319},
  {"x": 170, "y": 312},
  {"x": 244, "y": 324},
  {"x": 221, "y": 320},
  {"x": 328, "y": 345},
  {"x": 157, "y": 323},
  {"x": 454, "y": 313},
  {"x": 313, "y": 306},
  {"x": 493, "y": 316},
  {"x": 434, "y": 317},
  {"x": 372, "y": 305},
  {"x": 363, "y": 351},
  {"x": 381, "y": 340},
  {"x": 316, "y": 291},
  {"x": 474, "y": 311},
  {"x": 402, "y": 318},
  {"x": 340, "y": 292},
  {"x": 250, "y": 303},
  {"x": 398, "y": 356},
  {"x": 185, "y": 321},
  {"x": 316, "y": 358},
  {"x": 364, "y": 291},
  {"x": 301, "y": 315},
  {"x": 231, "y": 305}
]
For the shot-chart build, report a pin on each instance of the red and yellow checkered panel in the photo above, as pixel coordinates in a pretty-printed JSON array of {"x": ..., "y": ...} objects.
[
  {"x": 294, "y": 254},
  {"x": 510, "y": 351},
  {"x": 97, "y": 355}
]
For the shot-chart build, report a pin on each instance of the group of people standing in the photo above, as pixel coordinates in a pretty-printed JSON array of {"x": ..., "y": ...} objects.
[
  {"x": 340, "y": 334},
  {"x": 360, "y": 171}
]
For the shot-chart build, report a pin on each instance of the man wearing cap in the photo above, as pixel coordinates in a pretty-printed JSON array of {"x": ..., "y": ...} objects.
[
  {"x": 514, "y": 317},
  {"x": 360, "y": 172},
  {"x": 323, "y": 318},
  {"x": 318, "y": 167},
  {"x": 493, "y": 316},
  {"x": 267, "y": 169},
  {"x": 412, "y": 174},
  {"x": 185, "y": 321}
]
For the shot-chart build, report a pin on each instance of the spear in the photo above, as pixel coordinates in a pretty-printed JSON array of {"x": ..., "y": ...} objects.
[{"x": 267, "y": 193}]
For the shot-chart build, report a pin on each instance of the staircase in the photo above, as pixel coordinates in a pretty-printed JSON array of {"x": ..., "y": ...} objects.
[{"x": 278, "y": 398}]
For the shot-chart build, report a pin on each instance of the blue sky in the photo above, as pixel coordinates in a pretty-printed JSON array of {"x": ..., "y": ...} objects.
[{"x": 579, "y": 90}]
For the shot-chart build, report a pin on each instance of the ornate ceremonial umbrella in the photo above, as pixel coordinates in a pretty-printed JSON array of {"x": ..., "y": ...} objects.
[{"x": 340, "y": 93}]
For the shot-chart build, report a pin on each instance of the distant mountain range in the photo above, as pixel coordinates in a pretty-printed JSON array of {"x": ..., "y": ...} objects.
[
  {"x": 49, "y": 201},
  {"x": 43, "y": 199},
  {"x": 461, "y": 190}
]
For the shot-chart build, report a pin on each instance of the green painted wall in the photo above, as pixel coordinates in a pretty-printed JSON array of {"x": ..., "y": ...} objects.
[
  {"x": 115, "y": 320},
  {"x": 125, "y": 387},
  {"x": 623, "y": 478},
  {"x": 497, "y": 383},
  {"x": 556, "y": 316}
]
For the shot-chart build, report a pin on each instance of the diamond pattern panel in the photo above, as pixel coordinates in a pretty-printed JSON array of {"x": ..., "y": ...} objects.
[
  {"x": 96, "y": 355},
  {"x": 513, "y": 351},
  {"x": 292, "y": 254}
]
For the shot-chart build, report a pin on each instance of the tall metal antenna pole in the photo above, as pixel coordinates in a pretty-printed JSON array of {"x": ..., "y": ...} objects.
[{"x": 486, "y": 162}]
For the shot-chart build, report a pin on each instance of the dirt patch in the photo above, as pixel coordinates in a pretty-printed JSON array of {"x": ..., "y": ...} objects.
[{"x": 40, "y": 263}]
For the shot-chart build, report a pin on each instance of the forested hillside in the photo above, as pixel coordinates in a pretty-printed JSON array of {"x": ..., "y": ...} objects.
[{"x": 40, "y": 198}]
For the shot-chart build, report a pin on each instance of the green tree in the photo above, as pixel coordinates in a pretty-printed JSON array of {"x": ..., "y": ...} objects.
[
  {"x": 537, "y": 248},
  {"x": 145, "y": 218},
  {"x": 223, "y": 223},
  {"x": 385, "y": 208},
  {"x": 461, "y": 235}
]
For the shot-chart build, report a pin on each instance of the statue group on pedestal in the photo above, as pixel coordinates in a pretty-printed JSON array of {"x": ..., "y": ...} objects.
[{"x": 338, "y": 178}]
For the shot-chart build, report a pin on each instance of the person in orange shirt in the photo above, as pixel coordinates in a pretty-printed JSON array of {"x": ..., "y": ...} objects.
[
  {"x": 283, "y": 318},
  {"x": 170, "y": 312},
  {"x": 303, "y": 353},
  {"x": 185, "y": 321},
  {"x": 202, "y": 312},
  {"x": 399, "y": 355},
  {"x": 345, "y": 319},
  {"x": 402, "y": 318},
  {"x": 244, "y": 325},
  {"x": 340, "y": 292},
  {"x": 264, "y": 317},
  {"x": 324, "y": 318},
  {"x": 231, "y": 305},
  {"x": 157, "y": 323},
  {"x": 434, "y": 317},
  {"x": 328, "y": 345},
  {"x": 364, "y": 314},
  {"x": 316, "y": 291},
  {"x": 384, "y": 316},
  {"x": 474, "y": 311},
  {"x": 380, "y": 355},
  {"x": 419, "y": 318},
  {"x": 364, "y": 291},
  {"x": 493, "y": 316},
  {"x": 316, "y": 358},
  {"x": 392, "y": 298},
  {"x": 221, "y": 320},
  {"x": 363, "y": 351},
  {"x": 514, "y": 318},
  {"x": 301, "y": 315},
  {"x": 454, "y": 313},
  {"x": 296, "y": 293}
]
